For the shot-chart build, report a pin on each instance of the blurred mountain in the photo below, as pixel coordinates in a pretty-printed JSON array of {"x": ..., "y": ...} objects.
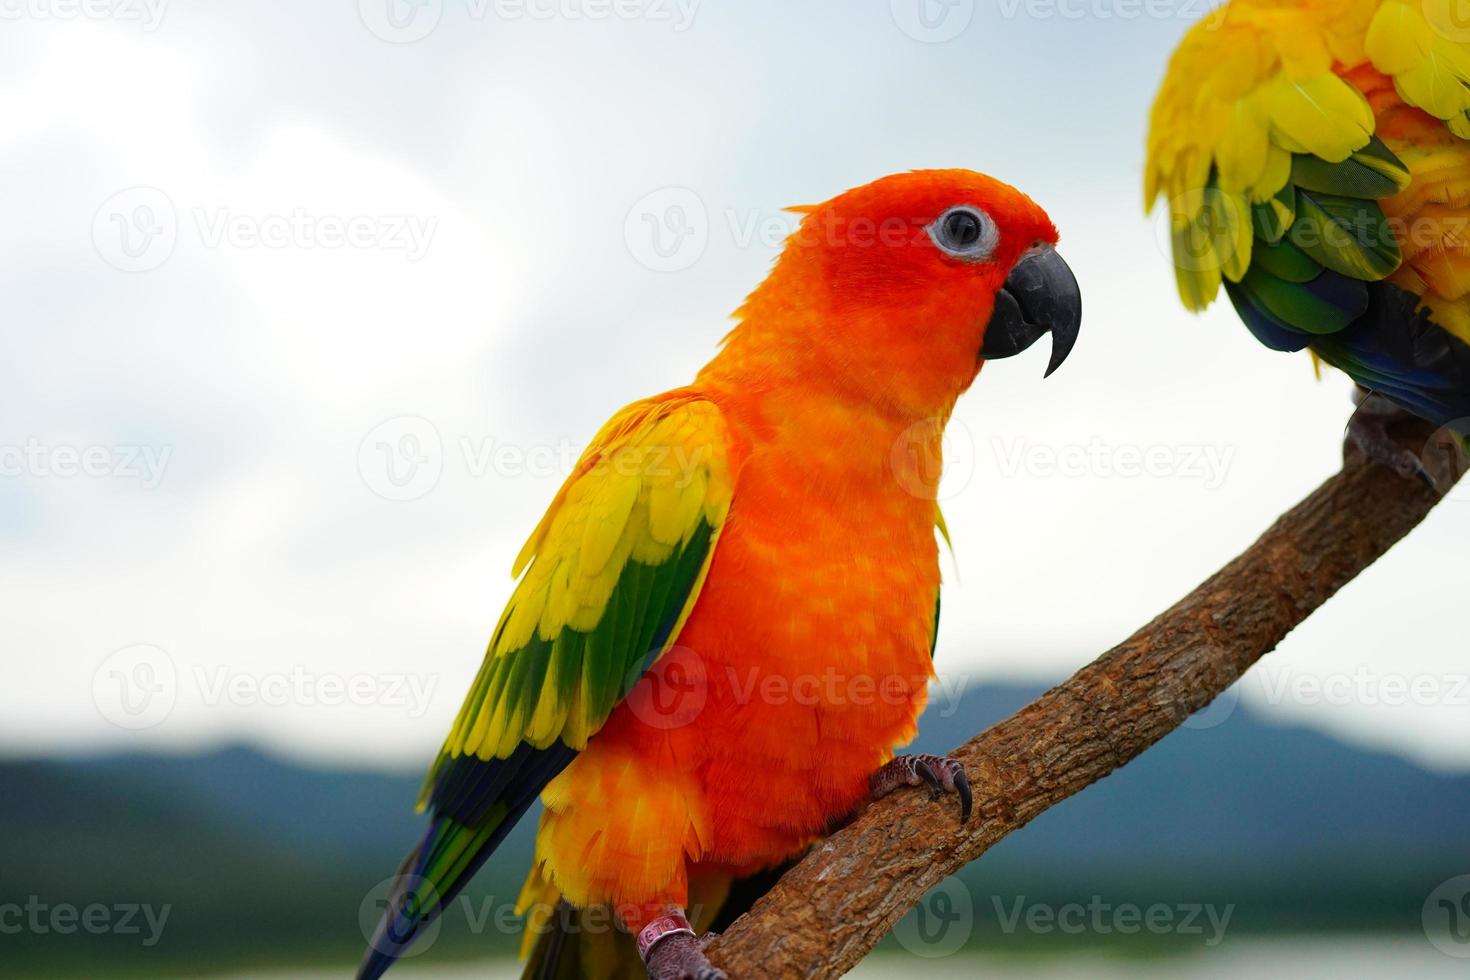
[{"x": 262, "y": 861}]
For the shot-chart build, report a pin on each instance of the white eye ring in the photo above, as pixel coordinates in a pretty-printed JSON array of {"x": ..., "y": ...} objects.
[{"x": 965, "y": 232}]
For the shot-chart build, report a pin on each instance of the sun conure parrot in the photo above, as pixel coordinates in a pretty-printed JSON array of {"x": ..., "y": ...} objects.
[
  {"x": 760, "y": 546},
  {"x": 1315, "y": 159}
]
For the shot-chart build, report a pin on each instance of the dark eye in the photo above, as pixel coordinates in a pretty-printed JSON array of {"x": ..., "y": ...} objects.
[{"x": 965, "y": 232}]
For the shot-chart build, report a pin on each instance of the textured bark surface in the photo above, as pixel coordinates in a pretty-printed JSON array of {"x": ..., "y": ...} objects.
[{"x": 832, "y": 908}]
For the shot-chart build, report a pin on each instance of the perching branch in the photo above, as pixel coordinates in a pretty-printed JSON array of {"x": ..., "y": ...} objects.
[{"x": 832, "y": 908}]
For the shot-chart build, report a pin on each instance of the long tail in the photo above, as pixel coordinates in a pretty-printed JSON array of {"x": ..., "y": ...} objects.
[
  {"x": 415, "y": 900},
  {"x": 475, "y": 803}
]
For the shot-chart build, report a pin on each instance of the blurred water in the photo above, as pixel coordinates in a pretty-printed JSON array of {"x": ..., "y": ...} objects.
[{"x": 1408, "y": 956}]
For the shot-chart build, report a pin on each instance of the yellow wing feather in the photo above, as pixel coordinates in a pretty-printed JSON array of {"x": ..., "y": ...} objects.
[{"x": 654, "y": 479}]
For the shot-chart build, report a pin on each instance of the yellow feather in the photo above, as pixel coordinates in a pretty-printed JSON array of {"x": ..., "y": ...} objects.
[
  {"x": 1235, "y": 236},
  {"x": 527, "y": 611},
  {"x": 561, "y": 602},
  {"x": 609, "y": 514},
  {"x": 550, "y": 714},
  {"x": 1398, "y": 38},
  {"x": 1242, "y": 150},
  {"x": 1452, "y": 51},
  {"x": 648, "y": 551},
  {"x": 1431, "y": 87},
  {"x": 667, "y": 519},
  {"x": 1324, "y": 115},
  {"x": 1196, "y": 267},
  {"x": 1304, "y": 53},
  {"x": 1274, "y": 177},
  {"x": 475, "y": 740}
]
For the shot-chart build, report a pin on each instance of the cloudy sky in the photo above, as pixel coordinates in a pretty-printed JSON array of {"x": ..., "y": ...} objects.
[{"x": 308, "y": 306}]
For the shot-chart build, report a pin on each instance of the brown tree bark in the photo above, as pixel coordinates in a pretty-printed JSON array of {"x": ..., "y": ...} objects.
[{"x": 828, "y": 911}]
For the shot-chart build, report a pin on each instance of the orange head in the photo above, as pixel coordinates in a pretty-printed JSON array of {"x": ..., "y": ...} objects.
[{"x": 894, "y": 292}]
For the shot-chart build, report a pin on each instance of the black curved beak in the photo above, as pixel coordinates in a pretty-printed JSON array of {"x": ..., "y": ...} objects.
[{"x": 1039, "y": 295}]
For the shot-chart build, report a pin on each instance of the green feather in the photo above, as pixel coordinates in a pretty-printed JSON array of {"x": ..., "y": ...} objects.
[
  {"x": 605, "y": 645},
  {"x": 1272, "y": 218},
  {"x": 1378, "y": 157},
  {"x": 1345, "y": 235},
  {"x": 524, "y": 678},
  {"x": 1285, "y": 261},
  {"x": 1350, "y": 178},
  {"x": 934, "y": 637},
  {"x": 634, "y": 650},
  {"x": 570, "y": 646},
  {"x": 1325, "y": 305}
]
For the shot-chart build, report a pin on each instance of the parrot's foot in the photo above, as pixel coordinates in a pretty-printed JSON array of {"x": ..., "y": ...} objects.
[
  {"x": 939, "y": 772},
  {"x": 671, "y": 951},
  {"x": 1368, "y": 430}
]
